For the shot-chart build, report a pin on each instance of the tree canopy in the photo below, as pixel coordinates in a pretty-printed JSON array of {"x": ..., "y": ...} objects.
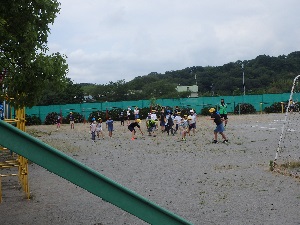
[
  {"x": 264, "y": 74},
  {"x": 26, "y": 68}
]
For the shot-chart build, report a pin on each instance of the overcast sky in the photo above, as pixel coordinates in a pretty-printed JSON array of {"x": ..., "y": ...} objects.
[{"x": 111, "y": 40}]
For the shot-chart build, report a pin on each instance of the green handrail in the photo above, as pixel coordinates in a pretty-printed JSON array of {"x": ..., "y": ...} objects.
[{"x": 85, "y": 177}]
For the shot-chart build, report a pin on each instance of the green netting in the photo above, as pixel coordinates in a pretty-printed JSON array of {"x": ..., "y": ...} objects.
[{"x": 258, "y": 101}]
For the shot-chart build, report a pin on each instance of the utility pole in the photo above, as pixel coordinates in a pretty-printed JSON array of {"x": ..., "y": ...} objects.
[{"x": 243, "y": 79}]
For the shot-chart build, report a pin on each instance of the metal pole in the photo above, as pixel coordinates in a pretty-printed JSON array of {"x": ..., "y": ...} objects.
[{"x": 243, "y": 79}]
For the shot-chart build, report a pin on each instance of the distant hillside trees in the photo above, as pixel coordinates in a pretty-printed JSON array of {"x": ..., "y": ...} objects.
[{"x": 264, "y": 74}]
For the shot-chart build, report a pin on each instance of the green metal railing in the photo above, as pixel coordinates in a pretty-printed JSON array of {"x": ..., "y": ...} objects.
[{"x": 85, "y": 177}]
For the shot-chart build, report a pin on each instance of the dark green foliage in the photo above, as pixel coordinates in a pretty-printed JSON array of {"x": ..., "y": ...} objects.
[
  {"x": 144, "y": 112},
  {"x": 55, "y": 95},
  {"x": 32, "y": 120},
  {"x": 264, "y": 74},
  {"x": 24, "y": 30},
  {"x": 115, "y": 114},
  {"x": 97, "y": 115},
  {"x": 78, "y": 118},
  {"x": 244, "y": 108},
  {"x": 205, "y": 111},
  {"x": 51, "y": 118},
  {"x": 275, "y": 108}
]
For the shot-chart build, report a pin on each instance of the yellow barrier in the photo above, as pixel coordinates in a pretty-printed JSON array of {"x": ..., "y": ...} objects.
[{"x": 20, "y": 162}]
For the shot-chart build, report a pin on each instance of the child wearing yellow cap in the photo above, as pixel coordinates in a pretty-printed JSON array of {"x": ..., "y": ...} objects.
[
  {"x": 219, "y": 128},
  {"x": 132, "y": 126}
]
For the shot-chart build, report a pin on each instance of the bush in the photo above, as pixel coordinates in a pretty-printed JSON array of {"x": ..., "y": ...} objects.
[
  {"x": 275, "y": 108},
  {"x": 51, "y": 118},
  {"x": 144, "y": 113},
  {"x": 115, "y": 114},
  {"x": 97, "y": 115},
  {"x": 78, "y": 118},
  {"x": 32, "y": 120},
  {"x": 244, "y": 108},
  {"x": 205, "y": 111}
]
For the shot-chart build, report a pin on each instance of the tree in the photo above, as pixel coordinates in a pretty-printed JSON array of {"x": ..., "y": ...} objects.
[
  {"x": 70, "y": 94},
  {"x": 26, "y": 68},
  {"x": 160, "y": 89}
]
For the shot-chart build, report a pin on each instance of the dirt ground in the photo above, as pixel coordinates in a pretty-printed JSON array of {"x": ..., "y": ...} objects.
[{"x": 202, "y": 182}]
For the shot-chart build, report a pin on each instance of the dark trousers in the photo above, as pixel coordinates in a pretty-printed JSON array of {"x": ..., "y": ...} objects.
[{"x": 169, "y": 128}]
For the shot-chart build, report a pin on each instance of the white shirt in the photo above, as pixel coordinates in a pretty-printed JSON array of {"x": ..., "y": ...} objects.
[
  {"x": 153, "y": 116},
  {"x": 193, "y": 120},
  {"x": 177, "y": 119},
  {"x": 93, "y": 127}
]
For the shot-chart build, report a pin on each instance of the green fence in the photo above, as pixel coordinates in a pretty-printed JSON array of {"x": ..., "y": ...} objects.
[{"x": 258, "y": 101}]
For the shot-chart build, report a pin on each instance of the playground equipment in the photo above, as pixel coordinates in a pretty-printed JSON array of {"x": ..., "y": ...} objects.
[
  {"x": 16, "y": 164},
  {"x": 84, "y": 177}
]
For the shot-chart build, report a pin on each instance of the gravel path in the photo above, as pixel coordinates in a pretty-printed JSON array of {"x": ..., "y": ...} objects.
[{"x": 202, "y": 182}]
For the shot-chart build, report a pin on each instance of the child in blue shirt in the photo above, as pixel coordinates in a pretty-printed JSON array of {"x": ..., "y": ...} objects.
[{"x": 110, "y": 126}]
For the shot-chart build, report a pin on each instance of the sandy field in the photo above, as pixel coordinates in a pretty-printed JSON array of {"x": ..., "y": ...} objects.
[{"x": 202, "y": 182}]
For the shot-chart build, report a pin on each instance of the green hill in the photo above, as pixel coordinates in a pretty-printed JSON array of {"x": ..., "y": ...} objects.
[{"x": 264, "y": 74}]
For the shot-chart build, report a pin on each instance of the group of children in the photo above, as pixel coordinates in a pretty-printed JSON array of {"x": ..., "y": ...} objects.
[
  {"x": 169, "y": 122},
  {"x": 96, "y": 129}
]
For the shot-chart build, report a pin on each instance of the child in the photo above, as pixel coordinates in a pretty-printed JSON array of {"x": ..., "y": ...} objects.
[
  {"x": 169, "y": 124},
  {"x": 71, "y": 120},
  {"x": 132, "y": 130},
  {"x": 223, "y": 111},
  {"x": 162, "y": 119},
  {"x": 220, "y": 128},
  {"x": 136, "y": 113},
  {"x": 177, "y": 121},
  {"x": 183, "y": 126},
  {"x": 93, "y": 129},
  {"x": 110, "y": 126},
  {"x": 192, "y": 121},
  {"x": 151, "y": 126},
  {"x": 99, "y": 128},
  {"x": 128, "y": 115},
  {"x": 58, "y": 122},
  {"x": 122, "y": 118},
  {"x": 153, "y": 115}
]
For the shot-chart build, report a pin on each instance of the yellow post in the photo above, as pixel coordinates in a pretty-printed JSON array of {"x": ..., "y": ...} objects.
[
  {"x": 261, "y": 108},
  {"x": 23, "y": 168},
  {"x": 20, "y": 162},
  {"x": 281, "y": 107}
]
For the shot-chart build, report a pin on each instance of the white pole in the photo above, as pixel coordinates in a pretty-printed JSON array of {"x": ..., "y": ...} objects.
[
  {"x": 244, "y": 79},
  {"x": 285, "y": 119}
]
